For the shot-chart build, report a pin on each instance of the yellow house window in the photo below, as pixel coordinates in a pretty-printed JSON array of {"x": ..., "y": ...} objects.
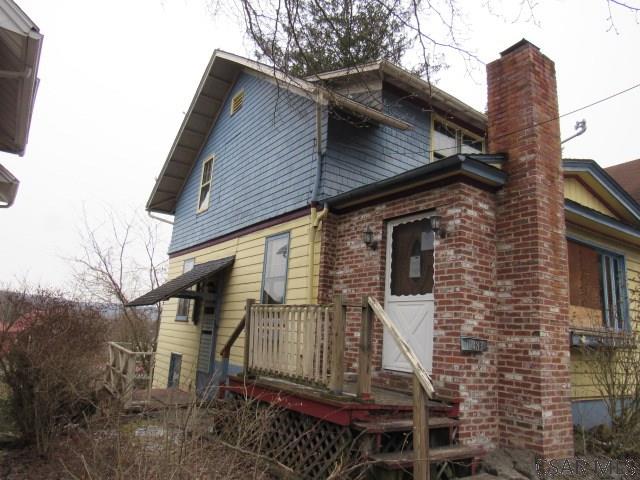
[
  {"x": 448, "y": 139},
  {"x": 597, "y": 288},
  {"x": 184, "y": 304},
  {"x": 205, "y": 185},
  {"x": 274, "y": 273}
]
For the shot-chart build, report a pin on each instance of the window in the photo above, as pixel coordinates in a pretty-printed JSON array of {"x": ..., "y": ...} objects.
[
  {"x": 205, "y": 185},
  {"x": 597, "y": 288},
  {"x": 449, "y": 139},
  {"x": 175, "y": 365},
  {"x": 184, "y": 304},
  {"x": 274, "y": 276},
  {"x": 412, "y": 258},
  {"x": 236, "y": 102}
]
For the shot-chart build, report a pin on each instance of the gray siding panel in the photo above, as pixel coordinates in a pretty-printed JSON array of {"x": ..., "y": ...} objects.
[
  {"x": 264, "y": 164},
  {"x": 358, "y": 155}
]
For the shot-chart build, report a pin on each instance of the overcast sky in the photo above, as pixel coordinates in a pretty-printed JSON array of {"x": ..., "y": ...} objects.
[{"x": 117, "y": 76}]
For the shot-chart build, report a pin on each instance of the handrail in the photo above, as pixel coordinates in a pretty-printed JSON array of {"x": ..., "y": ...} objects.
[
  {"x": 119, "y": 346},
  {"x": 226, "y": 350},
  {"x": 420, "y": 372},
  {"x": 422, "y": 386}
]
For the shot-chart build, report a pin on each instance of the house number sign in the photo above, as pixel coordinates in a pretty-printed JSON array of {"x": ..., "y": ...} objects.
[{"x": 473, "y": 344}]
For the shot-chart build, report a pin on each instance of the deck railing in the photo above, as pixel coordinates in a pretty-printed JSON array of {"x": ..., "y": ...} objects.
[
  {"x": 291, "y": 341},
  {"x": 128, "y": 371}
]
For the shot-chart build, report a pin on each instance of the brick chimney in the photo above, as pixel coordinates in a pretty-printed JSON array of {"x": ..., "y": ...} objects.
[{"x": 532, "y": 319}]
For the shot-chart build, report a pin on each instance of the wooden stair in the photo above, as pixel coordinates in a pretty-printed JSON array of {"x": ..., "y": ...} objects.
[
  {"x": 392, "y": 451},
  {"x": 404, "y": 460}
]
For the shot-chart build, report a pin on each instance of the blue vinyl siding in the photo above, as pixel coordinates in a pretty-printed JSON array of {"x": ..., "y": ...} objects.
[
  {"x": 358, "y": 155},
  {"x": 264, "y": 164}
]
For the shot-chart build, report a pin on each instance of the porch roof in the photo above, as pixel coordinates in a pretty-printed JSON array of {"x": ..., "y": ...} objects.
[
  {"x": 474, "y": 167},
  {"x": 179, "y": 284},
  {"x": 8, "y": 187}
]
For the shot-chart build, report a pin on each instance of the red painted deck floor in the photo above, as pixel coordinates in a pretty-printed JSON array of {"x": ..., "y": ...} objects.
[{"x": 343, "y": 409}]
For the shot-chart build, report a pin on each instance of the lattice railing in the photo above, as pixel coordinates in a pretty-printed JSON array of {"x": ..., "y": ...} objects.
[{"x": 291, "y": 341}]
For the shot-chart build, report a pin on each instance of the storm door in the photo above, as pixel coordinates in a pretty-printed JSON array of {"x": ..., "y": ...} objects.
[{"x": 409, "y": 290}]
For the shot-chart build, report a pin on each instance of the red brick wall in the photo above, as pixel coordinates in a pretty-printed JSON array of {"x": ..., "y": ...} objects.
[
  {"x": 533, "y": 384},
  {"x": 464, "y": 293}
]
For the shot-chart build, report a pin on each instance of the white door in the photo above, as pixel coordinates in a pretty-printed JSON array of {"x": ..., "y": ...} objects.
[{"x": 409, "y": 290}]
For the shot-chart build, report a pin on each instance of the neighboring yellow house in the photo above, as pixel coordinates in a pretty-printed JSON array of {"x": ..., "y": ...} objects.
[{"x": 604, "y": 266}]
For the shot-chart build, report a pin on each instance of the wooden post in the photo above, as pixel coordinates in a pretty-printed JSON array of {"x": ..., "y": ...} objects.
[
  {"x": 421, "y": 467},
  {"x": 365, "y": 353},
  {"x": 336, "y": 382},
  {"x": 247, "y": 334}
]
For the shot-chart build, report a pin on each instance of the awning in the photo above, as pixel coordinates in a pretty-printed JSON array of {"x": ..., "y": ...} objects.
[
  {"x": 177, "y": 286},
  {"x": 8, "y": 187}
]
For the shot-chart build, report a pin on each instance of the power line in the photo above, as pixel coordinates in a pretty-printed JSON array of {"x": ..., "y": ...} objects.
[{"x": 543, "y": 122}]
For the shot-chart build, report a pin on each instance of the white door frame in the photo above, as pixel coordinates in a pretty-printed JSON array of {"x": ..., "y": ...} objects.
[{"x": 414, "y": 298}]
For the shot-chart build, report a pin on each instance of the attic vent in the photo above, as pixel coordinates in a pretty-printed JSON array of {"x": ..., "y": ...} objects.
[{"x": 237, "y": 101}]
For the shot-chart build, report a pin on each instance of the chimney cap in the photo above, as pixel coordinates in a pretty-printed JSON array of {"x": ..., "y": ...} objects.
[{"x": 516, "y": 46}]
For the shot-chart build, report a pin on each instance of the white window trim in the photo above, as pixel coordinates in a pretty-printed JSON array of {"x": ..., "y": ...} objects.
[
  {"x": 205, "y": 207},
  {"x": 453, "y": 126},
  {"x": 185, "y": 318}
]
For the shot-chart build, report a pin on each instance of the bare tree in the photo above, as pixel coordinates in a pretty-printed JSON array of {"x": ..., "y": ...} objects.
[{"x": 119, "y": 259}]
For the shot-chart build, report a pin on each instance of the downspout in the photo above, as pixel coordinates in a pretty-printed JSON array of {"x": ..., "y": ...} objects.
[{"x": 315, "y": 218}]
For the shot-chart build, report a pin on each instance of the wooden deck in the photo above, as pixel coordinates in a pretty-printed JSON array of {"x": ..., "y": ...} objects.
[{"x": 342, "y": 409}]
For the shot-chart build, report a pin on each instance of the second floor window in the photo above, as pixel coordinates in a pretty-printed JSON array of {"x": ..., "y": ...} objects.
[
  {"x": 597, "y": 288},
  {"x": 205, "y": 185},
  {"x": 449, "y": 139},
  {"x": 274, "y": 276}
]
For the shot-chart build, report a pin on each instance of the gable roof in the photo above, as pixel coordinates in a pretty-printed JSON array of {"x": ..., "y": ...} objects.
[
  {"x": 628, "y": 177},
  {"x": 605, "y": 187},
  {"x": 20, "y": 44},
  {"x": 215, "y": 85},
  {"x": 408, "y": 82}
]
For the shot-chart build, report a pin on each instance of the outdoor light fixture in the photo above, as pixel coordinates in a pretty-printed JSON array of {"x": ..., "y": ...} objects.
[
  {"x": 367, "y": 238},
  {"x": 435, "y": 222}
]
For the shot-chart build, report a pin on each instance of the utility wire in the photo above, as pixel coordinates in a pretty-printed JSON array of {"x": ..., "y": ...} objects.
[{"x": 543, "y": 122}]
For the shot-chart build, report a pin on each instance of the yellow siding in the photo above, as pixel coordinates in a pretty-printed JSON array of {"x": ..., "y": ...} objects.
[
  {"x": 243, "y": 281},
  {"x": 582, "y": 385},
  {"x": 575, "y": 191}
]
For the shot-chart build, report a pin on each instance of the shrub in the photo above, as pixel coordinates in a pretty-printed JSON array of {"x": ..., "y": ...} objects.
[{"x": 52, "y": 357}]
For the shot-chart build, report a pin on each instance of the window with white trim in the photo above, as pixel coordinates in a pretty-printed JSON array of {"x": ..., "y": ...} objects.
[
  {"x": 205, "y": 185},
  {"x": 449, "y": 139},
  {"x": 184, "y": 304},
  {"x": 274, "y": 275},
  {"x": 597, "y": 288}
]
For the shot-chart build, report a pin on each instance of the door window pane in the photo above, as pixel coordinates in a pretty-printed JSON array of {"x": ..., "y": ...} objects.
[
  {"x": 274, "y": 278},
  {"x": 412, "y": 258}
]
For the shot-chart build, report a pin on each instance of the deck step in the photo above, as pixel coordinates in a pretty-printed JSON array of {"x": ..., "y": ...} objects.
[
  {"x": 397, "y": 460},
  {"x": 384, "y": 425}
]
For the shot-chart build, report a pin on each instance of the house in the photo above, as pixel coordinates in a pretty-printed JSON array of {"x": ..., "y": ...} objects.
[
  {"x": 492, "y": 257},
  {"x": 20, "y": 44},
  {"x": 628, "y": 177}
]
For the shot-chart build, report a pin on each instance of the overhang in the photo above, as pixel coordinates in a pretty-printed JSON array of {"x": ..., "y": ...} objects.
[
  {"x": 412, "y": 84},
  {"x": 472, "y": 168},
  {"x": 214, "y": 87},
  {"x": 178, "y": 287},
  {"x": 20, "y": 45},
  {"x": 598, "y": 222},
  {"x": 8, "y": 187},
  {"x": 601, "y": 184}
]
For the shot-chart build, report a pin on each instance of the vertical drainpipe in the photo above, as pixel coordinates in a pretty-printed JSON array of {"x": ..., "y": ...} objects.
[{"x": 314, "y": 217}]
